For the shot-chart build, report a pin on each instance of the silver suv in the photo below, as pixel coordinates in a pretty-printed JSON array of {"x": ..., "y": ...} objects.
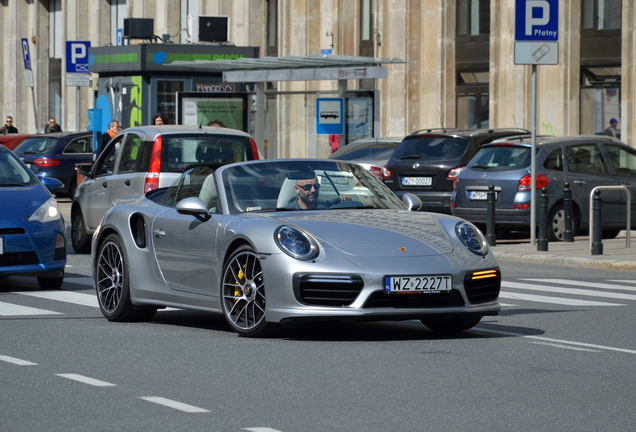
[{"x": 144, "y": 158}]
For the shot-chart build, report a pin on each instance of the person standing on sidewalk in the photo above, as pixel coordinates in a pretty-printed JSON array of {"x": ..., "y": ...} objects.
[
  {"x": 611, "y": 130},
  {"x": 8, "y": 128},
  {"x": 52, "y": 126},
  {"x": 113, "y": 129}
]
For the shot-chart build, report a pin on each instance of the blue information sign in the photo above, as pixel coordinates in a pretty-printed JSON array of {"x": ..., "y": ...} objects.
[
  {"x": 25, "y": 53},
  {"x": 537, "y": 20},
  {"x": 77, "y": 56},
  {"x": 329, "y": 116}
]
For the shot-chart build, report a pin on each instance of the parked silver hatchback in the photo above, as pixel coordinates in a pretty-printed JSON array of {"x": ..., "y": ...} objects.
[{"x": 144, "y": 158}]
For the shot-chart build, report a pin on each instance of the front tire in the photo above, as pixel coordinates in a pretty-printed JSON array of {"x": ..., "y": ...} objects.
[
  {"x": 51, "y": 283},
  {"x": 113, "y": 283},
  {"x": 451, "y": 324},
  {"x": 243, "y": 294},
  {"x": 79, "y": 237}
]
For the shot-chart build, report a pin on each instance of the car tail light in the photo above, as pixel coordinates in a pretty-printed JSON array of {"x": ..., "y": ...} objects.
[
  {"x": 386, "y": 174},
  {"x": 152, "y": 178},
  {"x": 452, "y": 174},
  {"x": 526, "y": 182},
  {"x": 254, "y": 149},
  {"x": 522, "y": 206},
  {"x": 46, "y": 162},
  {"x": 376, "y": 171},
  {"x": 455, "y": 183}
]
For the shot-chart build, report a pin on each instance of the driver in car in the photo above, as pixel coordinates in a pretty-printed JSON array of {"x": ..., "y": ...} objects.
[{"x": 308, "y": 191}]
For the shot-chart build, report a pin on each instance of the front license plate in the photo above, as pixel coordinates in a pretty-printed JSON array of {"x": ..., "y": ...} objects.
[
  {"x": 479, "y": 195},
  {"x": 417, "y": 284},
  {"x": 417, "y": 181}
]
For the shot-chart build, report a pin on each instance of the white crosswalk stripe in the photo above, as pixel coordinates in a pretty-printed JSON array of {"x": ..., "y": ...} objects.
[
  {"x": 554, "y": 300},
  {"x": 12, "y": 310},
  {"x": 598, "y": 285},
  {"x": 571, "y": 291},
  {"x": 64, "y": 296}
]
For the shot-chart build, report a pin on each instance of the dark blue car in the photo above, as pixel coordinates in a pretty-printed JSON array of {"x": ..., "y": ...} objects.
[
  {"x": 54, "y": 155},
  {"x": 32, "y": 239}
]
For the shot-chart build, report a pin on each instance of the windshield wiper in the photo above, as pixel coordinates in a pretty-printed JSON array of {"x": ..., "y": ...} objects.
[{"x": 411, "y": 157}]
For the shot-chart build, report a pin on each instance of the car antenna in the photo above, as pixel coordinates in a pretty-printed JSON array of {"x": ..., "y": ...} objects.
[{"x": 440, "y": 118}]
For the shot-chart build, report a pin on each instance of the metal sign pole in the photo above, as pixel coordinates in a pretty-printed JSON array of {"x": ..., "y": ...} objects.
[
  {"x": 35, "y": 112},
  {"x": 78, "y": 109},
  {"x": 533, "y": 169}
]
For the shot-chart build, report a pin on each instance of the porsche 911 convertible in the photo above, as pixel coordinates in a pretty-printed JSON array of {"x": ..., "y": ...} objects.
[{"x": 276, "y": 242}]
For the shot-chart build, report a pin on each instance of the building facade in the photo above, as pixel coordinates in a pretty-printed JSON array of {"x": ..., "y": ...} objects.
[{"x": 460, "y": 53}]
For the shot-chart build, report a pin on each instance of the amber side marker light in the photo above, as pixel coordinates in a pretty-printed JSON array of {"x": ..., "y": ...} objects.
[{"x": 484, "y": 274}]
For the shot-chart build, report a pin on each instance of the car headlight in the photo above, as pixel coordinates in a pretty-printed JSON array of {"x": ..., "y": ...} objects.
[
  {"x": 295, "y": 243},
  {"x": 472, "y": 238},
  {"x": 47, "y": 212}
]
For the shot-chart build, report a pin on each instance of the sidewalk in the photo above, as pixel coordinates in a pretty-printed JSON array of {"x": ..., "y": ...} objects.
[{"x": 578, "y": 254}]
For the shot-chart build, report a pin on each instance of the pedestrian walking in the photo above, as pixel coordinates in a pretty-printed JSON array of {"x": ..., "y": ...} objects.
[{"x": 611, "y": 130}]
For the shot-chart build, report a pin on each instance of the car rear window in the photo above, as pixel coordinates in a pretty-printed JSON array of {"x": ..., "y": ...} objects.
[
  {"x": 501, "y": 158},
  {"x": 37, "y": 146},
  {"x": 431, "y": 148},
  {"x": 378, "y": 150},
  {"x": 179, "y": 151}
]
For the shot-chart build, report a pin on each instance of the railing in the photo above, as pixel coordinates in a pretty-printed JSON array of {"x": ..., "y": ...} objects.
[{"x": 629, "y": 209}]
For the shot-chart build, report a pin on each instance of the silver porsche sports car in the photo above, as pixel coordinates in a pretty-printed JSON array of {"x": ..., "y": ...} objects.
[{"x": 274, "y": 242}]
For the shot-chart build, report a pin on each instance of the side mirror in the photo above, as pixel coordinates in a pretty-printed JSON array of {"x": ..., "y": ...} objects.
[
  {"x": 412, "y": 202},
  {"x": 53, "y": 185},
  {"x": 192, "y": 206},
  {"x": 85, "y": 170}
]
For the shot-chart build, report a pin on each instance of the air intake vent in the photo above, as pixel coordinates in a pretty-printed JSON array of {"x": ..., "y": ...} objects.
[
  {"x": 328, "y": 290},
  {"x": 414, "y": 301},
  {"x": 18, "y": 259}
]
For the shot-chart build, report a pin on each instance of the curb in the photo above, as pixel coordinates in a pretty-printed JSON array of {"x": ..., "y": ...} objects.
[{"x": 567, "y": 261}]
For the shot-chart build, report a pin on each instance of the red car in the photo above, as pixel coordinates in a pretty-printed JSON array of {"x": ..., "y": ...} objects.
[{"x": 11, "y": 141}]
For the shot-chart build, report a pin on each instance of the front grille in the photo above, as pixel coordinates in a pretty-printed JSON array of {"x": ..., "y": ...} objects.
[
  {"x": 9, "y": 231},
  {"x": 404, "y": 301},
  {"x": 60, "y": 253},
  {"x": 482, "y": 286},
  {"x": 328, "y": 290},
  {"x": 18, "y": 259}
]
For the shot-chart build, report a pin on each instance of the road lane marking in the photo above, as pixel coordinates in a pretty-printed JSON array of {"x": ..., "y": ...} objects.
[
  {"x": 64, "y": 296},
  {"x": 584, "y": 284},
  {"x": 86, "y": 280},
  {"x": 553, "y": 300},
  {"x": 86, "y": 380},
  {"x": 261, "y": 429},
  {"x": 173, "y": 404},
  {"x": 17, "y": 361},
  {"x": 623, "y": 281},
  {"x": 8, "y": 309},
  {"x": 564, "y": 346},
  {"x": 559, "y": 341},
  {"x": 573, "y": 291}
]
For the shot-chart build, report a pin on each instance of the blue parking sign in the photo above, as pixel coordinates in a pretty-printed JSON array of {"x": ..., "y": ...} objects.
[
  {"x": 537, "y": 20},
  {"x": 77, "y": 56},
  {"x": 24, "y": 43}
]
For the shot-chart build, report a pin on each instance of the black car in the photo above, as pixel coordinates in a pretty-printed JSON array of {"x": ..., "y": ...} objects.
[
  {"x": 427, "y": 162},
  {"x": 371, "y": 153}
]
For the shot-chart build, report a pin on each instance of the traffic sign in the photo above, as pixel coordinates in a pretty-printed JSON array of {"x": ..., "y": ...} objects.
[
  {"x": 77, "y": 56},
  {"x": 119, "y": 37},
  {"x": 25, "y": 53},
  {"x": 329, "y": 116},
  {"x": 537, "y": 20},
  {"x": 28, "y": 77}
]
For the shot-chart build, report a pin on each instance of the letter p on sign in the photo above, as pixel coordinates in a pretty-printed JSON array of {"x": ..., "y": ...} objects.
[
  {"x": 77, "y": 51},
  {"x": 533, "y": 18}
]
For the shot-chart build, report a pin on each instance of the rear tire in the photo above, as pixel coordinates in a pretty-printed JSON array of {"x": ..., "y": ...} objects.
[
  {"x": 451, "y": 324},
  {"x": 79, "y": 237},
  {"x": 610, "y": 234},
  {"x": 51, "y": 283}
]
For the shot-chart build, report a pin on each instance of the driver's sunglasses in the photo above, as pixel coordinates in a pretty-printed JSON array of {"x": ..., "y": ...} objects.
[{"x": 308, "y": 187}]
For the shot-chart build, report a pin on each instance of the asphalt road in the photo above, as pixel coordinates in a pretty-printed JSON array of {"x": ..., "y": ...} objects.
[{"x": 560, "y": 356}]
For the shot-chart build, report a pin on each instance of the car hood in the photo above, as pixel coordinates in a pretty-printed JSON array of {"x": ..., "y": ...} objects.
[
  {"x": 20, "y": 202},
  {"x": 374, "y": 233}
]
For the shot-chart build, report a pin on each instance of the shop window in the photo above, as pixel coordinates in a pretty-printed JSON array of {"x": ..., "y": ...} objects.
[
  {"x": 601, "y": 14},
  {"x": 167, "y": 98},
  {"x": 600, "y": 99},
  {"x": 472, "y": 100},
  {"x": 473, "y": 17}
]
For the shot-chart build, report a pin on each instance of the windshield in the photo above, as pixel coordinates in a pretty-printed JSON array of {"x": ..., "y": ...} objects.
[
  {"x": 179, "y": 151},
  {"x": 501, "y": 158},
  {"x": 298, "y": 185},
  {"x": 431, "y": 148},
  {"x": 370, "y": 151},
  {"x": 13, "y": 173},
  {"x": 37, "y": 146}
]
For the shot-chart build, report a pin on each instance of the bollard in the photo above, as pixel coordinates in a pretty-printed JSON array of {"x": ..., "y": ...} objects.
[
  {"x": 597, "y": 229},
  {"x": 542, "y": 241},
  {"x": 568, "y": 234},
  {"x": 491, "y": 237}
]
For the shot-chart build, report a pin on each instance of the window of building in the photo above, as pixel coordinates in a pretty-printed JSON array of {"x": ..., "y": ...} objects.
[
  {"x": 56, "y": 29},
  {"x": 167, "y": 98},
  {"x": 188, "y": 7},
  {"x": 367, "y": 30},
  {"x": 600, "y": 99},
  {"x": 473, "y": 17},
  {"x": 117, "y": 15},
  {"x": 272, "y": 28},
  {"x": 601, "y": 14},
  {"x": 472, "y": 100}
]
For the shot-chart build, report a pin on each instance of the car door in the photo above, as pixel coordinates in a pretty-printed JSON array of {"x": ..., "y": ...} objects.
[
  {"x": 587, "y": 169},
  {"x": 79, "y": 150},
  {"x": 185, "y": 245},
  {"x": 95, "y": 201},
  {"x": 623, "y": 161},
  {"x": 123, "y": 183}
]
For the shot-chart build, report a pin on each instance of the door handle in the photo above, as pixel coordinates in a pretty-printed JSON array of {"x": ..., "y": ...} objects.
[
  {"x": 159, "y": 233},
  {"x": 105, "y": 185},
  {"x": 127, "y": 182}
]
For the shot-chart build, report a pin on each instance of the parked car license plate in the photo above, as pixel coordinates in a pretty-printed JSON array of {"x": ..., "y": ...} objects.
[
  {"x": 479, "y": 195},
  {"x": 417, "y": 181},
  {"x": 417, "y": 284}
]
